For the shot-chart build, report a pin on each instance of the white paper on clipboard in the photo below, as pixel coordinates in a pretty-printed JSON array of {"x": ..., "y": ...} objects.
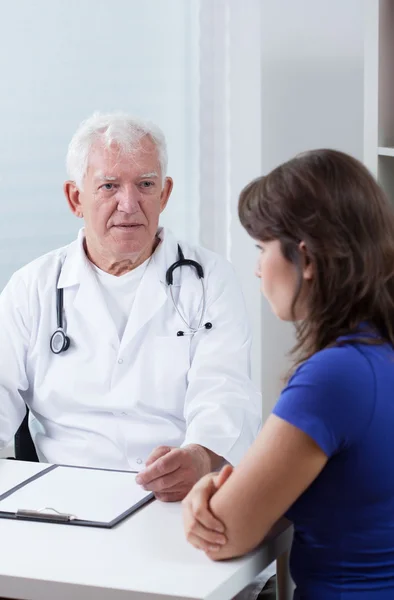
[{"x": 93, "y": 495}]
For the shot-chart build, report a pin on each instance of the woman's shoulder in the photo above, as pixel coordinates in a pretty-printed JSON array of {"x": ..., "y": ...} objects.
[
  {"x": 332, "y": 395},
  {"x": 340, "y": 363},
  {"x": 346, "y": 372}
]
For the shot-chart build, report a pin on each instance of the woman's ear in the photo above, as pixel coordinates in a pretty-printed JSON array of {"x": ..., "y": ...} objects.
[{"x": 307, "y": 271}]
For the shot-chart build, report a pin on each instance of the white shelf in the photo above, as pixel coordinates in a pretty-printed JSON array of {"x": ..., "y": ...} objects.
[
  {"x": 379, "y": 92},
  {"x": 386, "y": 151}
]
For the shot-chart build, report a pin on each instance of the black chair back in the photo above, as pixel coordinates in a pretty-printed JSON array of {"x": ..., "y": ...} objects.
[{"x": 24, "y": 447}]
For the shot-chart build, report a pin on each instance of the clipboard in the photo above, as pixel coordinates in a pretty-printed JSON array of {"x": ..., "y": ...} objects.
[{"x": 73, "y": 495}]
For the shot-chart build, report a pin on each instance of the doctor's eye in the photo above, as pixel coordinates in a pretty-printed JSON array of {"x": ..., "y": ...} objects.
[
  {"x": 108, "y": 187},
  {"x": 147, "y": 184}
]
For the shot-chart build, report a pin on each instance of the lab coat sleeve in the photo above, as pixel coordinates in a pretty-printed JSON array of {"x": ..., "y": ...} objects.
[
  {"x": 14, "y": 343},
  {"x": 223, "y": 407}
]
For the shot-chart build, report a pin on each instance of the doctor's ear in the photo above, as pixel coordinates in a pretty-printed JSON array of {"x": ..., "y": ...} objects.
[
  {"x": 307, "y": 270},
  {"x": 72, "y": 194},
  {"x": 166, "y": 192}
]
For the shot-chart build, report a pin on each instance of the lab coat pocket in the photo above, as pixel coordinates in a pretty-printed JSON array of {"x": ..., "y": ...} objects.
[{"x": 170, "y": 367}]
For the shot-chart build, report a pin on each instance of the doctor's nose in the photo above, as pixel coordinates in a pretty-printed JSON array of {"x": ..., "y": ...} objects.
[{"x": 128, "y": 202}]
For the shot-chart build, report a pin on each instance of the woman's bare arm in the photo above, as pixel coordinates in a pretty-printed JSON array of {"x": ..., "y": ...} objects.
[{"x": 278, "y": 468}]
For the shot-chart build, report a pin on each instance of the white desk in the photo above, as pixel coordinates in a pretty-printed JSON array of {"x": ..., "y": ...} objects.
[{"x": 146, "y": 557}]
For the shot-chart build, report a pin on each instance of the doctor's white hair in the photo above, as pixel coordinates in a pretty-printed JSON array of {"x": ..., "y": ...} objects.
[{"x": 106, "y": 129}]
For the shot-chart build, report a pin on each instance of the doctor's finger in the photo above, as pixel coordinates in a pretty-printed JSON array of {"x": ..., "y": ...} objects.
[
  {"x": 158, "y": 469},
  {"x": 165, "y": 465},
  {"x": 172, "y": 461},
  {"x": 156, "y": 454},
  {"x": 171, "y": 496},
  {"x": 166, "y": 483}
]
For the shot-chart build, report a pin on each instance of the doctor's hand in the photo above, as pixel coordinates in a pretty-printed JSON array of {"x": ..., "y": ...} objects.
[
  {"x": 172, "y": 472},
  {"x": 203, "y": 530}
]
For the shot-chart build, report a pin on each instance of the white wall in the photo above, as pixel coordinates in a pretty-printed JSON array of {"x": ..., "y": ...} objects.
[
  {"x": 230, "y": 138},
  {"x": 312, "y": 96}
]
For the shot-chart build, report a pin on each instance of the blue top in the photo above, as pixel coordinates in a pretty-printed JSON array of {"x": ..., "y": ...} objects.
[{"x": 343, "y": 549}]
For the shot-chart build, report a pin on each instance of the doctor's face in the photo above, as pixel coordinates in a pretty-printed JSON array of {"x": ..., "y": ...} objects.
[
  {"x": 279, "y": 277},
  {"x": 121, "y": 201}
]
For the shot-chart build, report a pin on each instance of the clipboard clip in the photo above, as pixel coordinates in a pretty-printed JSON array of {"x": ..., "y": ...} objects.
[{"x": 46, "y": 514}]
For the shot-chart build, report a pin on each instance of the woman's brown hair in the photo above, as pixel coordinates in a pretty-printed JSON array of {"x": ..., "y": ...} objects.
[{"x": 331, "y": 202}]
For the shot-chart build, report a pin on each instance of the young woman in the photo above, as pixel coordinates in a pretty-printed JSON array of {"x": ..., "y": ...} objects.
[{"x": 325, "y": 457}]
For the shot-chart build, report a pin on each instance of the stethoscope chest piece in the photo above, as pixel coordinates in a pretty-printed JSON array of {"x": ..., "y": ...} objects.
[{"x": 60, "y": 342}]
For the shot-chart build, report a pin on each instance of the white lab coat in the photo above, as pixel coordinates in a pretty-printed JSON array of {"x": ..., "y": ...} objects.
[{"x": 108, "y": 402}]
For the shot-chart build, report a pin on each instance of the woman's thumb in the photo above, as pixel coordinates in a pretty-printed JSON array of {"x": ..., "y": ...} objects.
[{"x": 224, "y": 475}]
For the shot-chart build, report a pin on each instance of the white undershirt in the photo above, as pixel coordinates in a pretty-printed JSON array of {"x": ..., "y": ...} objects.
[{"x": 119, "y": 293}]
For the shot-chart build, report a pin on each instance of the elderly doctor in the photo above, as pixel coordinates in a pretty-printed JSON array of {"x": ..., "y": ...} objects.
[{"x": 130, "y": 348}]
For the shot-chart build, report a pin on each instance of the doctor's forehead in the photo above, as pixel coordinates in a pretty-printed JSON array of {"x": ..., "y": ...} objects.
[
  {"x": 106, "y": 163},
  {"x": 115, "y": 174}
]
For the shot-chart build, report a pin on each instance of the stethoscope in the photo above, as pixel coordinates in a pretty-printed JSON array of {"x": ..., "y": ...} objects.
[
  {"x": 60, "y": 341},
  {"x": 187, "y": 262}
]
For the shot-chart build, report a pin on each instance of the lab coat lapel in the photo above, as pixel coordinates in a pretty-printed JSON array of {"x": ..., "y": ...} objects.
[
  {"x": 149, "y": 299},
  {"x": 88, "y": 300}
]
